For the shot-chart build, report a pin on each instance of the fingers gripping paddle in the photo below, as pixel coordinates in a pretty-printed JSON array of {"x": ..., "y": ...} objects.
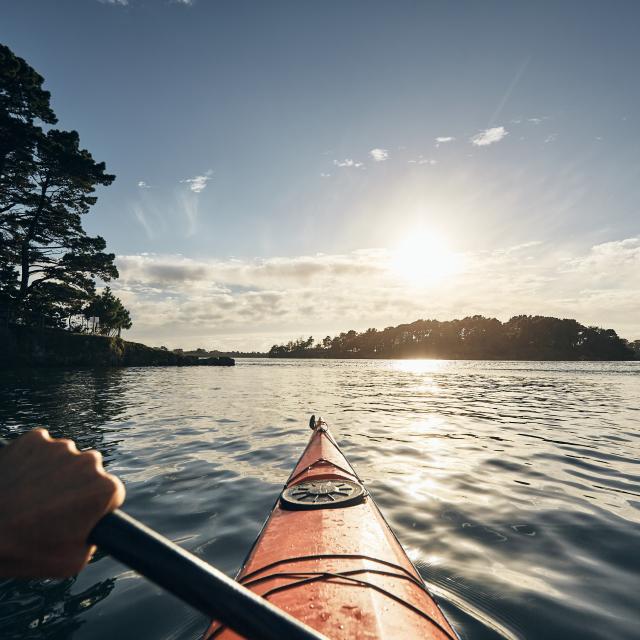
[{"x": 195, "y": 582}]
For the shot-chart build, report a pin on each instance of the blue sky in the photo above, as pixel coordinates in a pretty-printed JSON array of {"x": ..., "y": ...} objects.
[{"x": 275, "y": 160}]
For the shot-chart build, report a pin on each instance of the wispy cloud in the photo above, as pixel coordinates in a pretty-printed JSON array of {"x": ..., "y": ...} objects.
[
  {"x": 509, "y": 91},
  {"x": 443, "y": 140},
  {"x": 489, "y": 136},
  {"x": 423, "y": 160},
  {"x": 158, "y": 211},
  {"x": 188, "y": 203},
  {"x": 535, "y": 120},
  {"x": 379, "y": 155},
  {"x": 552, "y": 137},
  {"x": 121, "y": 3},
  {"x": 348, "y": 162},
  {"x": 139, "y": 213},
  {"x": 197, "y": 184}
]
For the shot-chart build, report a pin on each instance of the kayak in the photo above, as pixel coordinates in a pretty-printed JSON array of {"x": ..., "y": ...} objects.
[{"x": 327, "y": 556}]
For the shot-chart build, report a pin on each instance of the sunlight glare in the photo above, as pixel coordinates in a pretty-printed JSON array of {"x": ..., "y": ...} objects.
[
  {"x": 424, "y": 259},
  {"x": 418, "y": 366}
]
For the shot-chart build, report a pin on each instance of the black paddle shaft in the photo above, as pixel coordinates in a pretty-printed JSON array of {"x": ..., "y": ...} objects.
[
  {"x": 195, "y": 582},
  {"x": 202, "y": 586}
]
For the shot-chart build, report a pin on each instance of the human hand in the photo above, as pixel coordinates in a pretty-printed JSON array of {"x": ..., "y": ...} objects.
[{"x": 51, "y": 497}]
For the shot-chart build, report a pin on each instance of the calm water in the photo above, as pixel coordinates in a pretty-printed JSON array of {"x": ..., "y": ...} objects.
[{"x": 514, "y": 487}]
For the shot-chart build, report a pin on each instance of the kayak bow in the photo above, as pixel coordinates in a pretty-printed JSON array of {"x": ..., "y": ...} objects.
[{"x": 327, "y": 556}]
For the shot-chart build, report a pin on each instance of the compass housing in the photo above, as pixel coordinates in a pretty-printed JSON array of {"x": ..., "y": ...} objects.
[{"x": 322, "y": 494}]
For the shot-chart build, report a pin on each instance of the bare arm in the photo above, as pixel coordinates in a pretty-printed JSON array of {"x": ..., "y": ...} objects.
[{"x": 51, "y": 496}]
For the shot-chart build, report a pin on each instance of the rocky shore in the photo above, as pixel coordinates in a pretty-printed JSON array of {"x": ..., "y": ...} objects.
[{"x": 33, "y": 347}]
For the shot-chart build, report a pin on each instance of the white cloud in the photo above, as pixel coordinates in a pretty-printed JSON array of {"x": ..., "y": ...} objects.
[
  {"x": 178, "y": 300},
  {"x": 143, "y": 185},
  {"x": 325, "y": 175},
  {"x": 347, "y": 162},
  {"x": 379, "y": 155},
  {"x": 423, "y": 160},
  {"x": 162, "y": 270},
  {"x": 609, "y": 262},
  {"x": 552, "y": 137},
  {"x": 443, "y": 140},
  {"x": 489, "y": 136},
  {"x": 121, "y": 3},
  {"x": 197, "y": 184}
]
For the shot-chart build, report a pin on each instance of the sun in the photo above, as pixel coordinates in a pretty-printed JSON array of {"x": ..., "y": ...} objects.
[{"x": 424, "y": 259}]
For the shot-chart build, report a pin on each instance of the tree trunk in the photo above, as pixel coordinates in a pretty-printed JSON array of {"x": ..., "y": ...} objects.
[
  {"x": 24, "y": 269},
  {"x": 25, "y": 262}
]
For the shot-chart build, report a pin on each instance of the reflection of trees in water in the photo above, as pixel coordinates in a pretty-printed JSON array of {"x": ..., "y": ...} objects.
[
  {"x": 46, "y": 609},
  {"x": 73, "y": 404}
]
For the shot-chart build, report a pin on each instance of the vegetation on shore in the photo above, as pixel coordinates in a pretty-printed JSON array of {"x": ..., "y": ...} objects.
[
  {"x": 49, "y": 265},
  {"x": 24, "y": 346},
  {"x": 215, "y": 353},
  {"x": 472, "y": 338}
]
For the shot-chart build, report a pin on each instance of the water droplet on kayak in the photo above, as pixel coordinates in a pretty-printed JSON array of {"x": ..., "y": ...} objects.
[{"x": 311, "y": 606}]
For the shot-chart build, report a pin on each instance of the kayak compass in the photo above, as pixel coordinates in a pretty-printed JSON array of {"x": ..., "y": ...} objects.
[{"x": 322, "y": 494}]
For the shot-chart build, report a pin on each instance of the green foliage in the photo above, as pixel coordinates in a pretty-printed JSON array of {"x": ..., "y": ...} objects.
[
  {"x": 22, "y": 94},
  {"x": 48, "y": 263},
  {"x": 635, "y": 347},
  {"x": 23, "y": 101},
  {"x": 475, "y": 337},
  {"x": 110, "y": 312}
]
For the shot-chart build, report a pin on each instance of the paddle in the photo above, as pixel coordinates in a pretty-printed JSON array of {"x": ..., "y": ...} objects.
[{"x": 195, "y": 582}]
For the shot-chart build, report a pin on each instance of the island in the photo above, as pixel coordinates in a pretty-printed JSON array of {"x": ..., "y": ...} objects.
[{"x": 523, "y": 337}]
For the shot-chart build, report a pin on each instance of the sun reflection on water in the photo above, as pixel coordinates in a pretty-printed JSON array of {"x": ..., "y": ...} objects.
[{"x": 425, "y": 365}]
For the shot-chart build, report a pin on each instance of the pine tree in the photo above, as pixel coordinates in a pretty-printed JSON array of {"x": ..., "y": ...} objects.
[{"x": 48, "y": 263}]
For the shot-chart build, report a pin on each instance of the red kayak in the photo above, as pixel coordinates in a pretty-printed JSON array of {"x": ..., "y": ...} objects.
[{"x": 328, "y": 557}]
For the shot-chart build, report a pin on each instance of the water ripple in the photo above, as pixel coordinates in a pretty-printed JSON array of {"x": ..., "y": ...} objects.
[{"x": 513, "y": 486}]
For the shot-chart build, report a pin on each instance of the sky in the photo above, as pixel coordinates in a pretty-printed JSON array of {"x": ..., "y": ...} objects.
[{"x": 296, "y": 168}]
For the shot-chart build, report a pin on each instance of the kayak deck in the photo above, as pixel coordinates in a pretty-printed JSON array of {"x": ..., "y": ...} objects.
[{"x": 327, "y": 556}]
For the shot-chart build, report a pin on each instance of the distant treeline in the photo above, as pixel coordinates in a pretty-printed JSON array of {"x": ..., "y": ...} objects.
[
  {"x": 473, "y": 338},
  {"x": 215, "y": 353}
]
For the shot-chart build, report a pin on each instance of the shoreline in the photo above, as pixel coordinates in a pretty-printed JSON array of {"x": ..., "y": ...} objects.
[{"x": 30, "y": 347}]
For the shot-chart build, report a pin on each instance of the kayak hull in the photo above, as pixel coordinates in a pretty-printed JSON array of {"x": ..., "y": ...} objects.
[{"x": 338, "y": 569}]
